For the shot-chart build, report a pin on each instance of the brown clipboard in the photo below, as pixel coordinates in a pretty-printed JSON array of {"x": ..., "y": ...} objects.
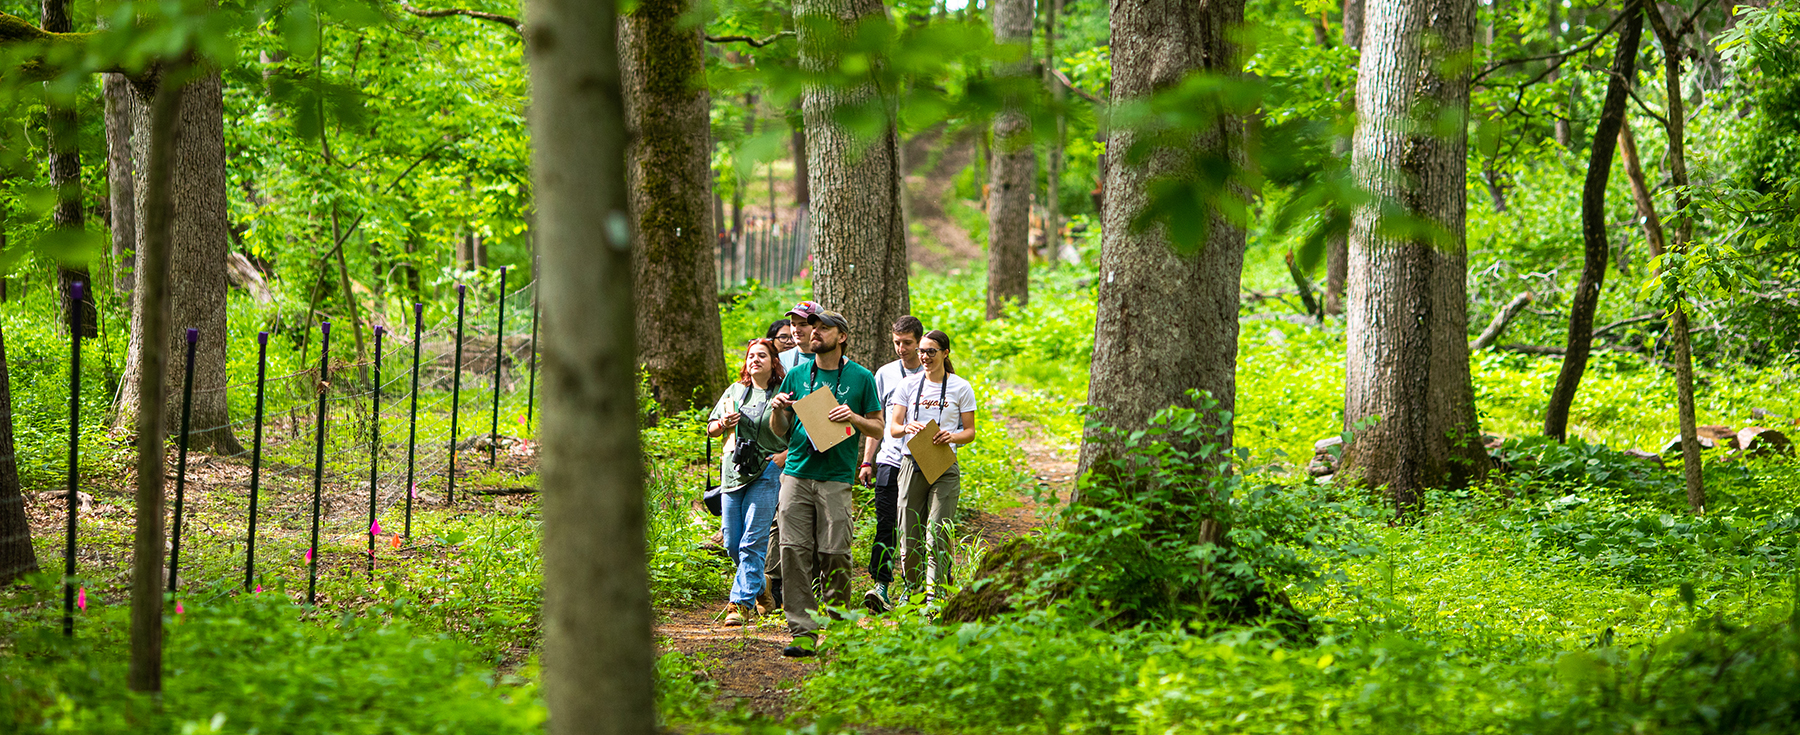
[
  {"x": 932, "y": 458},
  {"x": 823, "y": 432}
]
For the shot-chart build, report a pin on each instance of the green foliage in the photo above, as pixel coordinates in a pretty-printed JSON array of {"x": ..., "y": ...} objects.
[{"x": 256, "y": 663}]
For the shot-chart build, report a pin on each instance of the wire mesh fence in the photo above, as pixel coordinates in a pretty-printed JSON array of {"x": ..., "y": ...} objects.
[
  {"x": 373, "y": 438},
  {"x": 765, "y": 251}
]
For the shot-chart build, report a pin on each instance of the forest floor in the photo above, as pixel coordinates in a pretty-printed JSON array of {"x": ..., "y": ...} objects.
[{"x": 746, "y": 663}]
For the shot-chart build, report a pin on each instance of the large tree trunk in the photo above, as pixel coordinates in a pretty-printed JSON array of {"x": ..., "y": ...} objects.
[
  {"x": 1014, "y": 173},
  {"x": 197, "y": 293},
  {"x": 1593, "y": 226},
  {"x": 1407, "y": 329},
  {"x": 1337, "y": 249},
  {"x": 1168, "y": 321},
  {"x": 1684, "y": 230},
  {"x": 164, "y": 129},
  {"x": 17, "y": 558},
  {"x": 120, "y": 181},
  {"x": 858, "y": 227},
  {"x": 61, "y": 129},
  {"x": 670, "y": 174},
  {"x": 598, "y": 651},
  {"x": 802, "y": 191},
  {"x": 1053, "y": 158}
]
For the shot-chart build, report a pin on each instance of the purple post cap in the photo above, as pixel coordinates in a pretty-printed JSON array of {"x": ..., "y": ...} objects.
[
  {"x": 379, "y": 330},
  {"x": 460, "y": 288},
  {"x": 418, "y": 308},
  {"x": 325, "y": 327},
  {"x": 193, "y": 335},
  {"x": 262, "y": 338},
  {"x": 75, "y": 290}
]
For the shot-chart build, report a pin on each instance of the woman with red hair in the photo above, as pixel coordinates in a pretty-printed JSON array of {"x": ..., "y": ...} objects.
[{"x": 750, "y": 472}]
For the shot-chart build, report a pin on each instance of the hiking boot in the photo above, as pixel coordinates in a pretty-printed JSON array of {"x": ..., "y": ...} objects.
[
  {"x": 737, "y": 615},
  {"x": 876, "y": 600},
  {"x": 801, "y": 647},
  {"x": 765, "y": 602}
]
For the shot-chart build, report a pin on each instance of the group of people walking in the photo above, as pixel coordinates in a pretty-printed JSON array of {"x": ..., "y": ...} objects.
[{"x": 786, "y": 504}]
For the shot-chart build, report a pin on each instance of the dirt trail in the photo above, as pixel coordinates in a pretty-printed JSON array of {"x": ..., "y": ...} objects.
[{"x": 746, "y": 663}]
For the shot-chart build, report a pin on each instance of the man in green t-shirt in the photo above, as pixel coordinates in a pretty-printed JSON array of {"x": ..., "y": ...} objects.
[{"x": 814, "y": 513}]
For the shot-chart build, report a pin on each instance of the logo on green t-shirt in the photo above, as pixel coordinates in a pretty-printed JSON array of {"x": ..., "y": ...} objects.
[{"x": 852, "y": 385}]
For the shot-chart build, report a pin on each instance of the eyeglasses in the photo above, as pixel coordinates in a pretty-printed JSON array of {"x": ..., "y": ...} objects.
[
  {"x": 929, "y": 351},
  {"x": 784, "y": 338}
]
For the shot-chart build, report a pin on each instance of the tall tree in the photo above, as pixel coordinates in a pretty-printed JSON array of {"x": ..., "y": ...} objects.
[
  {"x": 1053, "y": 158},
  {"x": 1168, "y": 321},
  {"x": 669, "y": 170},
  {"x": 1407, "y": 329},
  {"x": 201, "y": 241},
  {"x": 858, "y": 225},
  {"x": 1014, "y": 171},
  {"x": 1337, "y": 249},
  {"x": 61, "y": 129},
  {"x": 1593, "y": 225},
  {"x": 598, "y": 652},
  {"x": 121, "y": 196},
  {"x": 17, "y": 558}
]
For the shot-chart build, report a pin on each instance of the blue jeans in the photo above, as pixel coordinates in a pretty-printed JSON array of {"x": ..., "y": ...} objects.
[{"x": 748, "y": 512}]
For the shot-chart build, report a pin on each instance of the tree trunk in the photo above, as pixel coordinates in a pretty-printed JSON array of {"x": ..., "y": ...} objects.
[
  {"x": 17, "y": 558},
  {"x": 1564, "y": 136},
  {"x": 802, "y": 189},
  {"x": 199, "y": 231},
  {"x": 62, "y": 128},
  {"x": 1407, "y": 329},
  {"x": 1684, "y": 230},
  {"x": 1168, "y": 321},
  {"x": 598, "y": 652},
  {"x": 1337, "y": 249},
  {"x": 1053, "y": 158},
  {"x": 1593, "y": 226},
  {"x": 121, "y": 197},
  {"x": 669, "y": 170},
  {"x": 160, "y": 190},
  {"x": 858, "y": 227},
  {"x": 1640, "y": 190},
  {"x": 1014, "y": 173}
]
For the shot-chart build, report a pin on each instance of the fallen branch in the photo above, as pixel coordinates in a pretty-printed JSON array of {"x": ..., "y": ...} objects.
[
  {"x": 505, "y": 20},
  {"x": 1628, "y": 321},
  {"x": 751, "y": 40},
  {"x": 1498, "y": 326}
]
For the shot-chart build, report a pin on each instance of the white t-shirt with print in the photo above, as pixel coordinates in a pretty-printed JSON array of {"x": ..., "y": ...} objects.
[
  {"x": 888, "y": 380},
  {"x": 926, "y": 401}
]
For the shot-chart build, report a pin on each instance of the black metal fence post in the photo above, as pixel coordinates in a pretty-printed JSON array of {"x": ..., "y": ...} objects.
[
  {"x": 412, "y": 431},
  {"x": 375, "y": 452},
  {"x": 75, "y": 308},
  {"x": 455, "y": 397},
  {"x": 531, "y": 387},
  {"x": 499, "y": 352},
  {"x": 323, "y": 387},
  {"x": 262, "y": 372},
  {"x": 187, "y": 405}
]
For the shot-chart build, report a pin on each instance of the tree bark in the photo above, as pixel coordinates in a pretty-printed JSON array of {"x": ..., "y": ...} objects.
[
  {"x": 1053, "y": 158},
  {"x": 598, "y": 651},
  {"x": 1167, "y": 321},
  {"x": 1013, "y": 175},
  {"x": 1407, "y": 329},
  {"x": 858, "y": 226},
  {"x": 17, "y": 557},
  {"x": 1593, "y": 226},
  {"x": 802, "y": 190},
  {"x": 61, "y": 128},
  {"x": 1640, "y": 191},
  {"x": 199, "y": 231},
  {"x": 158, "y": 186},
  {"x": 121, "y": 195},
  {"x": 1337, "y": 249},
  {"x": 1684, "y": 229},
  {"x": 669, "y": 170}
]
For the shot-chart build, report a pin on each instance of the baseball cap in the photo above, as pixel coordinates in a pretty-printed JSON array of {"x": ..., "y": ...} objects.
[
  {"x": 805, "y": 309},
  {"x": 829, "y": 318}
]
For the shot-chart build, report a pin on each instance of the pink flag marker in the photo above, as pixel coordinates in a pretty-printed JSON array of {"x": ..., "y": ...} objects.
[
  {"x": 375, "y": 528},
  {"x": 309, "y": 554},
  {"x": 81, "y": 599},
  {"x": 178, "y": 609},
  {"x": 259, "y": 589}
]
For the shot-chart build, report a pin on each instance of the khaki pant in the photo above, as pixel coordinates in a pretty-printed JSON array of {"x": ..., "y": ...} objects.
[
  {"x": 927, "y": 511},
  {"x": 814, "y": 518}
]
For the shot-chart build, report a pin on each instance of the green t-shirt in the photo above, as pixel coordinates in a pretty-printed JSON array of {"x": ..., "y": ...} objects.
[{"x": 852, "y": 385}]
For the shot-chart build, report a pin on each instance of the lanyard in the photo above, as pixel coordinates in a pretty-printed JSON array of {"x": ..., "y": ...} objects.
[
  {"x": 813, "y": 381},
  {"x": 942, "y": 389}
]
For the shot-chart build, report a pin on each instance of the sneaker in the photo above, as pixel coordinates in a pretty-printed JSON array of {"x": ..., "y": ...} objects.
[
  {"x": 737, "y": 615},
  {"x": 876, "y": 600},
  {"x": 802, "y": 647}
]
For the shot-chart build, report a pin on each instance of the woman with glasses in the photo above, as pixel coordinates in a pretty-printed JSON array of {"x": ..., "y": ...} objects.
[
  {"x": 749, "y": 473},
  {"x": 928, "y": 508},
  {"x": 781, "y": 332}
]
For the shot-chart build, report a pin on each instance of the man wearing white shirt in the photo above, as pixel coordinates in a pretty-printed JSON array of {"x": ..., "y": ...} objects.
[{"x": 881, "y": 463}]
